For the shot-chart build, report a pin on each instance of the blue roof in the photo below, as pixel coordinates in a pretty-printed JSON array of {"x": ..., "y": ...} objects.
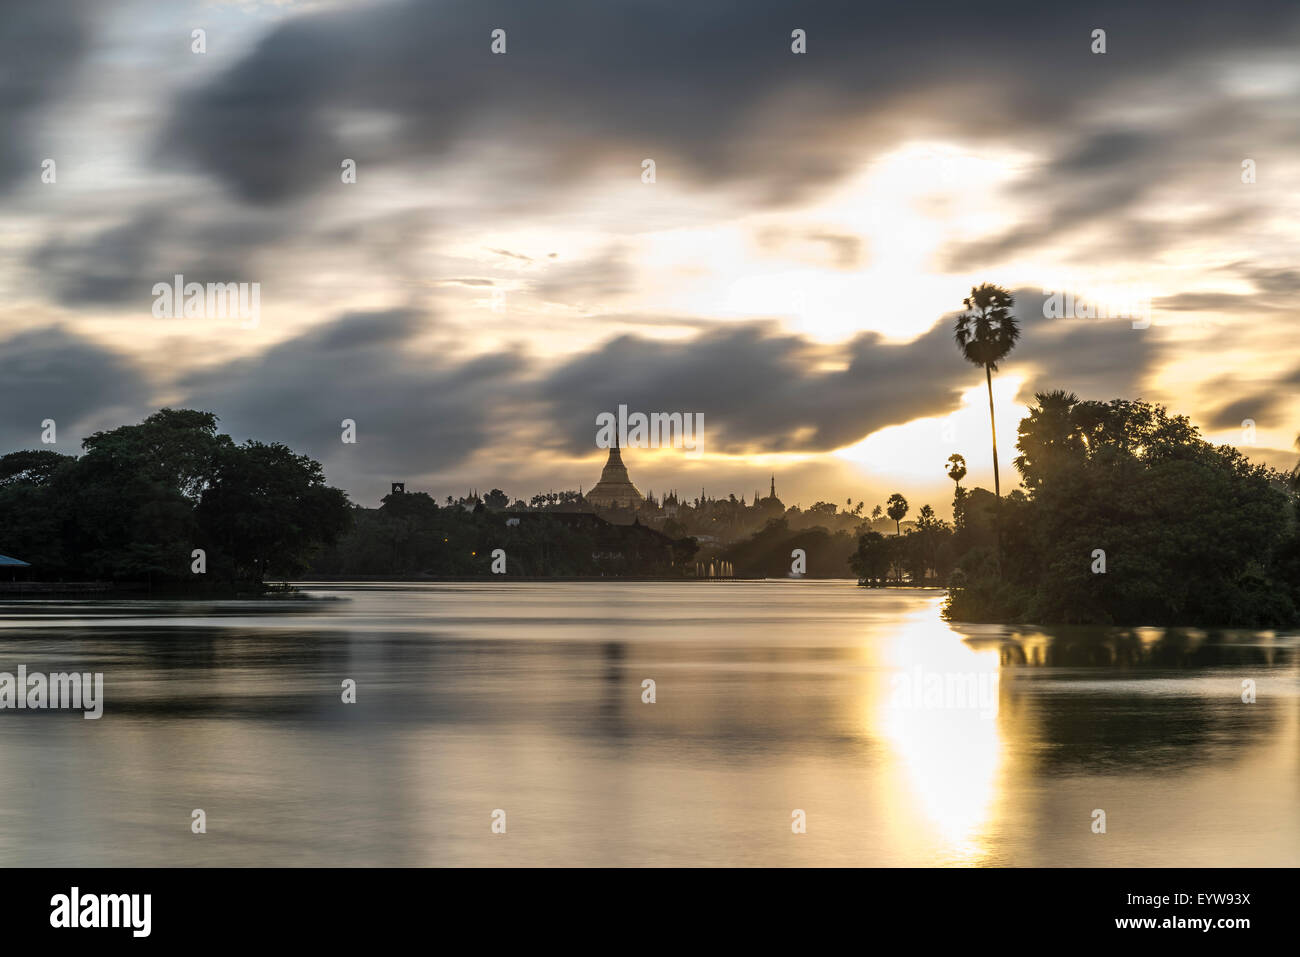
[{"x": 6, "y": 560}]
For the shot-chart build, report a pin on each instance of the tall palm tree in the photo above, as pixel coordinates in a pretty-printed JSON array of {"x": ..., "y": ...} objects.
[
  {"x": 985, "y": 333},
  {"x": 896, "y": 508},
  {"x": 957, "y": 472},
  {"x": 957, "y": 468}
]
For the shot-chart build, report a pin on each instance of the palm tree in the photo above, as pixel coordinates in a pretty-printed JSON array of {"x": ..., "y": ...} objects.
[
  {"x": 896, "y": 508},
  {"x": 1052, "y": 436},
  {"x": 957, "y": 469},
  {"x": 985, "y": 333},
  {"x": 957, "y": 472},
  {"x": 876, "y": 513}
]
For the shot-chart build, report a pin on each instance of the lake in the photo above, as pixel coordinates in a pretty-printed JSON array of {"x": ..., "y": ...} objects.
[{"x": 891, "y": 736}]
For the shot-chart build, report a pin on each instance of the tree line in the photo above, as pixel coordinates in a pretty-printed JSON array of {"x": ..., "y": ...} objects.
[
  {"x": 1127, "y": 515},
  {"x": 168, "y": 501}
]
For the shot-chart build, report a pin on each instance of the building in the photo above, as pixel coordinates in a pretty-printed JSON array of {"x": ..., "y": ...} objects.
[
  {"x": 615, "y": 489},
  {"x": 770, "y": 504},
  {"x": 619, "y": 549},
  {"x": 12, "y": 565}
]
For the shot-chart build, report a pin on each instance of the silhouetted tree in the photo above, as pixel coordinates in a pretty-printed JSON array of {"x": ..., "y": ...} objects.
[
  {"x": 957, "y": 472},
  {"x": 871, "y": 561},
  {"x": 1192, "y": 533},
  {"x": 956, "y": 468},
  {"x": 985, "y": 333},
  {"x": 896, "y": 508},
  {"x": 143, "y": 497}
]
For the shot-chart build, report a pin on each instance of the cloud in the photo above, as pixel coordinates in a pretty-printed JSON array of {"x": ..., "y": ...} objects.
[
  {"x": 417, "y": 410},
  {"x": 420, "y": 409},
  {"x": 41, "y": 47},
  {"x": 118, "y": 265},
  {"x": 762, "y": 391},
  {"x": 1095, "y": 358},
  {"x": 719, "y": 98},
  {"x": 1267, "y": 407},
  {"x": 596, "y": 280},
  {"x": 1131, "y": 155},
  {"x": 51, "y": 373}
]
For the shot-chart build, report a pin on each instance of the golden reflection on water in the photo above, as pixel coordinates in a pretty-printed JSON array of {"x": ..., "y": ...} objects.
[
  {"x": 772, "y": 696},
  {"x": 937, "y": 711}
]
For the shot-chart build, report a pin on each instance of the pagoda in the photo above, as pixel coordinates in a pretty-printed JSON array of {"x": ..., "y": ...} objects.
[{"x": 615, "y": 489}]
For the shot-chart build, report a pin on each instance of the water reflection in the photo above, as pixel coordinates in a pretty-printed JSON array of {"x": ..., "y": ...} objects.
[{"x": 908, "y": 741}]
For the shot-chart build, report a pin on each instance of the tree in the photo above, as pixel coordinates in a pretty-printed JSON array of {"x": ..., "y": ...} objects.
[
  {"x": 985, "y": 333},
  {"x": 1190, "y": 533},
  {"x": 176, "y": 447},
  {"x": 268, "y": 508},
  {"x": 1051, "y": 436},
  {"x": 134, "y": 492},
  {"x": 496, "y": 499},
  {"x": 143, "y": 497},
  {"x": 896, "y": 508},
  {"x": 31, "y": 467},
  {"x": 871, "y": 560},
  {"x": 956, "y": 468},
  {"x": 928, "y": 547},
  {"x": 36, "y": 508},
  {"x": 957, "y": 472}
]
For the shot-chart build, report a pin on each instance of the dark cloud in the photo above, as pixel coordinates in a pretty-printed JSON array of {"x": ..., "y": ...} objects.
[
  {"x": 1258, "y": 408},
  {"x": 1282, "y": 282},
  {"x": 1091, "y": 190},
  {"x": 41, "y": 47},
  {"x": 1095, "y": 358},
  {"x": 1267, "y": 407},
  {"x": 417, "y": 412},
  {"x": 1107, "y": 150},
  {"x": 757, "y": 389},
  {"x": 715, "y": 93},
  {"x": 118, "y": 266},
  {"x": 420, "y": 411},
  {"x": 763, "y": 391},
  {"x": 50, "y": 373},
  {"x": 1084, "y": 206}
]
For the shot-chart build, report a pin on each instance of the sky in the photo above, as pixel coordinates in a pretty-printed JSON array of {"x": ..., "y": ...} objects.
[{"x": 501, "y": 271}]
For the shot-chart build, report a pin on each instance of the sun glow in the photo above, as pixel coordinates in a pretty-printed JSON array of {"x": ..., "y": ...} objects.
[
  {"x": 949, "y": 759},
  {"x": 902, "y": 209},
  {"x": 918, "y": 451}
]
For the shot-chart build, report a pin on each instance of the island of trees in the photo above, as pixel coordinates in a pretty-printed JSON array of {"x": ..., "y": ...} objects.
[{"x": 1127, "y": 516}]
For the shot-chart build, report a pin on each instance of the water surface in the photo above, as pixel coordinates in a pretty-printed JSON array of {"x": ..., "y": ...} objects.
[{"x": 903, "y": 740}]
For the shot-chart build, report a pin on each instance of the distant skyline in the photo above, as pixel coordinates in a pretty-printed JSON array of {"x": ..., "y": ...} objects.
[{"x": 499, "y": 273}]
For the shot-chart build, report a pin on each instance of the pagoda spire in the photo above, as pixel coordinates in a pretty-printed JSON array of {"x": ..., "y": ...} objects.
[{"x": 615, "y": 489}]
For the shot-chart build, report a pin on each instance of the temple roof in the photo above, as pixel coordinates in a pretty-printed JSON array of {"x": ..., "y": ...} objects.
[{"x": 615, "y": 489}]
